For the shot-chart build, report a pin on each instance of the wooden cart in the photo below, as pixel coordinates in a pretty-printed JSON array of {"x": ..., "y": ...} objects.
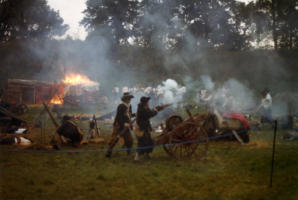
[{"x": 187, "y": 138}]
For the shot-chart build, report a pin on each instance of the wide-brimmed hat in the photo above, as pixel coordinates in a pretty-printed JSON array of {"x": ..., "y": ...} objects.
[
  {"x": 144, "y": 99},
  {"x": 127, "y": 95}
]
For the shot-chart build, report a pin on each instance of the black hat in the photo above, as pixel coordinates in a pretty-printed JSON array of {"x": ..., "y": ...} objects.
[
  {"x": 66, "y": 118},
  {"x": 144, "y": 99},
  {"x": 127, "y": 95},
  {"x": 265, "y": 91}
]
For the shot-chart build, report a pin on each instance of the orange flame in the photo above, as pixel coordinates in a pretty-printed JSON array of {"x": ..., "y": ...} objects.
[
  {"x": 56, "y": 100},
  {"x": 78, "y": 79},
  {"x": 72, "y": 79}
]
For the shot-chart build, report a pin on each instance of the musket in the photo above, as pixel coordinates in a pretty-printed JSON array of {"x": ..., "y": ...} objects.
[
  {"x": 95, "y": 122},
  {"x": 165, "y": 106},
  {"x": 126, "y": 128}
]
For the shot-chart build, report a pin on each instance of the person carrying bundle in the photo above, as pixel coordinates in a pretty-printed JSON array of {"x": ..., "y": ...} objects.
[{"x": 122, "y": 125}]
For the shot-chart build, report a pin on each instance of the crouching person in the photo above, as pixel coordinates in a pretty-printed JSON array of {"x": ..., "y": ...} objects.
[
  {"x": 70, "y": 131},
  {"x": 143, "y": 127}
]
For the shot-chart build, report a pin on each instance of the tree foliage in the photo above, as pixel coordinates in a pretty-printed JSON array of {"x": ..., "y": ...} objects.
[
  {"x": 29, "y": 19},
  {"x": 170, "y": 24},
  {"x": 282, "y": 19}
]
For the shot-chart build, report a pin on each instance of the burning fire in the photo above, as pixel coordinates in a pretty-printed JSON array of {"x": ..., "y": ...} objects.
[
  {"x": 56, "y": 100},
  {"x": 72, "y": 79},
  {"x": 78, "y": 79}
]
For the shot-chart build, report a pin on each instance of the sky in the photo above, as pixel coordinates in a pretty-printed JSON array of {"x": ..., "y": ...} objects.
[{"x": 71, "y": 12}]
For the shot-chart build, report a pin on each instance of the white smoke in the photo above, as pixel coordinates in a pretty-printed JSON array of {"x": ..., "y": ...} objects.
[
  {"x": 173, "y": 93},
  {"x": 230, "y": 96},
  {"x": 207, "y": 82}
]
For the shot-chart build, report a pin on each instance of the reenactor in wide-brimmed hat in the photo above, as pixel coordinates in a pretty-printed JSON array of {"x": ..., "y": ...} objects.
[
  {"x": 143, "y": 127},
  {"x": 122, "y": 124}
]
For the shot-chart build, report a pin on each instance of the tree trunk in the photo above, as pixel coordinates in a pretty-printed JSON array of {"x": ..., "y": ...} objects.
[{"x": 273, "y": 8}]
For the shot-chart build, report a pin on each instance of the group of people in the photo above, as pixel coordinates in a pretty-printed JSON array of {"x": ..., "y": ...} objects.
[
  {"x": 155, "y": 94},
  {"x": 221, "y": 100},
  {"x": 224, "y": 103},
  {"x": 123, "y": 125},
  {"x": 69, "y": 132}
]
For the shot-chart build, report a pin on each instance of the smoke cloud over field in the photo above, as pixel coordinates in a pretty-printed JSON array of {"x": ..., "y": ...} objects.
[
  {"x": 239, "y": 75},
  {"x": 172, "y": 92}
]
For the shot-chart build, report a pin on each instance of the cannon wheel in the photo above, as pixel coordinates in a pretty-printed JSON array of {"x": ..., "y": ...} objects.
[
  {"x": 22, "y": 108},
  {"x": 193, "y": 145},
  {"x": 171, "y": 123},
  {"x": 19, "y": 109},
  {"x": 203, "y": 146}
]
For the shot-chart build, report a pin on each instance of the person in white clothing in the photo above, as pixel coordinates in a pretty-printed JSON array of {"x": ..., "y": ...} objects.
[
  {"x": 116, "y": 92},
  {"x": 266, "y": 107}
]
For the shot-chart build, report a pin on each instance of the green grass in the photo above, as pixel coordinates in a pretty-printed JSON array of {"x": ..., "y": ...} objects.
[{"x": 229, "y": 171}]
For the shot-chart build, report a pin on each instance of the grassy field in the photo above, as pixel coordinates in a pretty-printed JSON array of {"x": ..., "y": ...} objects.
[{"x": 229, "y": 171}]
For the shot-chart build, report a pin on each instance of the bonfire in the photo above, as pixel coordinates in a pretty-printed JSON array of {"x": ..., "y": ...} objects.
[{"x": 74, "y": 85}]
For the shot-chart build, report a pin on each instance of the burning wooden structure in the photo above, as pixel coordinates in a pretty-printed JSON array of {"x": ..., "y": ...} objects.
[
  {"x": 20, "y": 91},
  {"x": 73, "y": 89}
]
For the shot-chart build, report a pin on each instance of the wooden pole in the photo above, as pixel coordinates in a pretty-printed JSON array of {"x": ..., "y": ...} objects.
[
  {"x": 273, "y": 153},
  {"x": 50, "y": 114},
  {"x": 96, "y": 128}
]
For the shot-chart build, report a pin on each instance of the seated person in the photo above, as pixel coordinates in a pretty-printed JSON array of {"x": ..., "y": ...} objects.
[{"x": 69, "y": 130}]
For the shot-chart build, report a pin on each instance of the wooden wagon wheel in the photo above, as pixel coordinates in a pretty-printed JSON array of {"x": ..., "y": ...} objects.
[
  {"x": 180, "y": 145},
  {"x": 192, "y": 143},
  {"x": 22, "y": 108},
  {"x": 171, "y": 123},
  {"x": 203, "y": 144}
]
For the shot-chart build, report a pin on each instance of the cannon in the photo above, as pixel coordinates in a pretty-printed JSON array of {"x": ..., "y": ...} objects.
[
  {"x": 190, "y": 138},
  {"x": 187, "y": 138}
]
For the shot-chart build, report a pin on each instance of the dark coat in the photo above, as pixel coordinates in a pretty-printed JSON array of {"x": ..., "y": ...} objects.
[
  {"x": 70, "y": 130},
  {"x": 124, "y": 114},
  {"x": 143, "y": 118}
]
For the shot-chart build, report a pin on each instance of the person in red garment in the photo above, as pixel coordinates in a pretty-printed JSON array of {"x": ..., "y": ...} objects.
[{"x": 243, "y": 131}]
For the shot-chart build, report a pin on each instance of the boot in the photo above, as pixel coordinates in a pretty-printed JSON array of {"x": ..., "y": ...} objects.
[{"x": 109, "y": 154}]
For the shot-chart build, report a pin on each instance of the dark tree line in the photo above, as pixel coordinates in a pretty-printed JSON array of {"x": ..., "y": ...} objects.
[
  {"x": 226, "y": 24},
  {"x": 169, "y": 24},
  {"x": 159, "y": 38}
]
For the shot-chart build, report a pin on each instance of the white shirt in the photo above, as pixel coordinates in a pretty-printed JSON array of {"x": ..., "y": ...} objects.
[
  {"x": 116, "y": 90},
  {"x": 124, "y": 89},
  {"x": 267, "y": 101},
  {"x": 23, "y": 141}
]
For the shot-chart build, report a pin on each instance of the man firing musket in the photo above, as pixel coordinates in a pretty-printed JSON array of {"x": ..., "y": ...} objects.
[
  {"x": 143, "y": 127},
  {"x": 122, "y": 125}
]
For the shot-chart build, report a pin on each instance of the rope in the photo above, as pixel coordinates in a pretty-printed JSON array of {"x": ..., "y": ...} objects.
[{"x": 120, "y": 149}]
